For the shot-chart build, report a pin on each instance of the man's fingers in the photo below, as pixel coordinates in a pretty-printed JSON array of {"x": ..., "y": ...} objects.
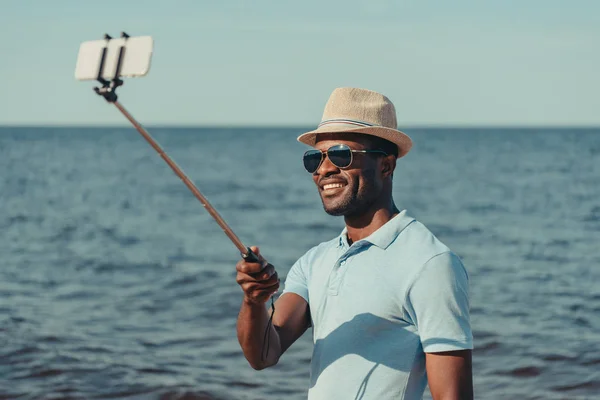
[
  {"x": 257, "y": 271},
  {"x": 266, "y": 273},
  {"x": 248, "y": 267},
  {"x": 261, "y": 293},
  {"x": 258, "y": 280},
  {"x": 255, "y": 286},
  {"x": 256, "y": 252},
  {"x": 273, "y": 287},
  {"x": 242, "y": 278}
]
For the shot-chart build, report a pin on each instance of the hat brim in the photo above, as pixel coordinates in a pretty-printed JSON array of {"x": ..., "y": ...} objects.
[{"x": 400, "y": 139}]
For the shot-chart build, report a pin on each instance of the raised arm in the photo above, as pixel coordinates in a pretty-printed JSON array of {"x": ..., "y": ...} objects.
[{"x": 259, "y": 281}]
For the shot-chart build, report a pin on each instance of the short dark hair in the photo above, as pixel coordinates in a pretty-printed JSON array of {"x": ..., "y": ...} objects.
[{"x": 378, "y": 143}]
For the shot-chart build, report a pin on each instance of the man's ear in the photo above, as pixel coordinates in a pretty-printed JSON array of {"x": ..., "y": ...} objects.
[{"x": 388, "y": 165}]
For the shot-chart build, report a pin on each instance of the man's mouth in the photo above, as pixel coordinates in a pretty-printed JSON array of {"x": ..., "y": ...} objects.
[{"x": 331, "y": 188}]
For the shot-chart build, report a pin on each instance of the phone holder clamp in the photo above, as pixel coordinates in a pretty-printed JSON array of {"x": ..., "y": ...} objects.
[{"x": 108, "y": 89}]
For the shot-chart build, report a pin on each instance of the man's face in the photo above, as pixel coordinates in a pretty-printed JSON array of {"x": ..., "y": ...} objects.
[{"x": 352, "y": 190}]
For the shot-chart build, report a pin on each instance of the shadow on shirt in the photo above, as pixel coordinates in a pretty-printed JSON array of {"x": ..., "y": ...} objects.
[{"x": 379, "y": 341}]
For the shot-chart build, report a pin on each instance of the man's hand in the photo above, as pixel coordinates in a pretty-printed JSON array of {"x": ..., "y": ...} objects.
[{"x": 258, "y": 280}]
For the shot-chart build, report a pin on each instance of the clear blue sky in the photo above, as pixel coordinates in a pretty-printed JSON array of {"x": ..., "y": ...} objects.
[{"x": 495, "y": 62}]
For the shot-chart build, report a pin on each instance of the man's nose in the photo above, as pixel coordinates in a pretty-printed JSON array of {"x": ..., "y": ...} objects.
[{"x": 327, "y": 168}]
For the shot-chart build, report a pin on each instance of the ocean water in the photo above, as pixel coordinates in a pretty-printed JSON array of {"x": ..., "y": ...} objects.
[{"x": 116, "y": 284}]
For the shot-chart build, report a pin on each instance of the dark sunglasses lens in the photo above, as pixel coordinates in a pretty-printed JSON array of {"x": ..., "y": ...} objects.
[
  {"x": 340, "y": 155},
  {"x": 312, "y": 160}
]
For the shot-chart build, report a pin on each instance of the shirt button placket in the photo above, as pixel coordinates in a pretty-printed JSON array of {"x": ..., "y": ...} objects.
[
  {"x": 336, "y": 275},
  {"x": 339, "y": 269}
]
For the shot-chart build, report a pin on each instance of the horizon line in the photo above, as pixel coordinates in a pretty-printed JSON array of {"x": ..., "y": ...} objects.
[{"x": 300, "y": 127}]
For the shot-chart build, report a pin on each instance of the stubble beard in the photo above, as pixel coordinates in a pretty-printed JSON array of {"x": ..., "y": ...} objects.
[
  {"x": 356, "y": 201},
  {"x": 339, "y": 207}
]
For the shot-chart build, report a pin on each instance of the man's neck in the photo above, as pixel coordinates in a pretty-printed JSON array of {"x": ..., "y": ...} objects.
[{"x": 360, "y": 226}]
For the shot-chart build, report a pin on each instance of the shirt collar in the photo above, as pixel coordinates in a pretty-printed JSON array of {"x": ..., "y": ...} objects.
[{"x": 385, "y": 235}]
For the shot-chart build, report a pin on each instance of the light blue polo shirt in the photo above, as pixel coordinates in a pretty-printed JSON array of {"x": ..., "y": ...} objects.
[{"x": 377, "y": 306}]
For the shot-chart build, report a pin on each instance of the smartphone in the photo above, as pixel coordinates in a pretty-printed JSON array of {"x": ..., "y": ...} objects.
[{"x": 136, "y": 58}]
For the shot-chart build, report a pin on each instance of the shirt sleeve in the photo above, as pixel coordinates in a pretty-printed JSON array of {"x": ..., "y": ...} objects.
[
  {"x": 438, "y": 304},
  {"x": 295, "y": 281}
]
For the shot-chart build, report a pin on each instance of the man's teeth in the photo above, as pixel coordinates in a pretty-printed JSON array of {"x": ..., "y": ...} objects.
[{"x": 332, "y": 186}]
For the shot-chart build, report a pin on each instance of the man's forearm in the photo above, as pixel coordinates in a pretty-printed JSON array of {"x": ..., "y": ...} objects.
[{"x": 251, "y": 326}]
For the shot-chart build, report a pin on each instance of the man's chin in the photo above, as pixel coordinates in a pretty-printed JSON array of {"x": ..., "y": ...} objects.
[
  {"x": 337, "y": 210},
  {"x": 346, "y": 208},
  {"x": 334, "y": 212},
  {"x": 341, "y": 204}
]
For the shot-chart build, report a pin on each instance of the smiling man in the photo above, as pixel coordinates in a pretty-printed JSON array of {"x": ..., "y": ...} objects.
[{"x": 387, "y": 301}]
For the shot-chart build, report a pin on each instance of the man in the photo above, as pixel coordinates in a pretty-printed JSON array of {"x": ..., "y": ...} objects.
[{"x": 387, "y": 301}]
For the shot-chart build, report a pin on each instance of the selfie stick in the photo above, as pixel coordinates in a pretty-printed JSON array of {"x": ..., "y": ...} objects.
[{"x": 108, "y": 91}]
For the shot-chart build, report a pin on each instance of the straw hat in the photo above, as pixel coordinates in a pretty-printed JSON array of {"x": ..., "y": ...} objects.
[{"x": 360, "y": 111}]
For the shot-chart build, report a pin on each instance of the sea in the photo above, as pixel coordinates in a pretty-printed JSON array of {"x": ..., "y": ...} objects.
[{"x": 115, "y": 283}]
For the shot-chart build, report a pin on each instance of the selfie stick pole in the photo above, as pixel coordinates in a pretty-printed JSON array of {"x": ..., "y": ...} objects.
[{"x": 108, "y": 91}]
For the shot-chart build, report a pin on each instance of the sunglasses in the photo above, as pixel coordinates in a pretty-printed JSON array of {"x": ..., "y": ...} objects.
[{"x": 340, "y": 155}]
